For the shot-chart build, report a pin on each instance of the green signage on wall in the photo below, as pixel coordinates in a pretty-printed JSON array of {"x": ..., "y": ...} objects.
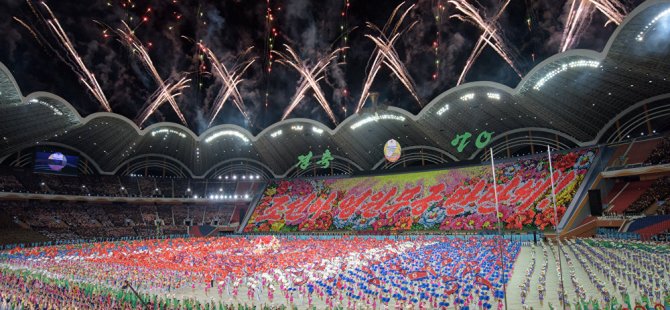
[{"x": 324, "y": 162}]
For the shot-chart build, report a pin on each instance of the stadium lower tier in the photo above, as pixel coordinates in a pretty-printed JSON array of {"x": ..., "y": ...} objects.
[
  {"x": 337, "y": 273},
  {"x": 457, "y": 199}
]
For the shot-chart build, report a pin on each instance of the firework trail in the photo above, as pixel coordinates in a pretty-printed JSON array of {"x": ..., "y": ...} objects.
[
  {"x": 385, "y": 54},
  {"x": 169, "y": 92},
  {"x": 310, "y": 78},
  {"x": 491, "y": 35},
  {"x": 128, "y": 37},
  {"x": 230, "y": 79},
  {"x": 579, "y": 18},
  {"x": 613, "y": 9},
  {"x": 73, "y": 60}
]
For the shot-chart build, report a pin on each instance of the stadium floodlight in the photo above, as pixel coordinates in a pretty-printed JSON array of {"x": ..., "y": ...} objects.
[
  {"x": 211, "y": 196},
  {"x": 246, "y": 196},
  {"x": 235, "y": 196},
  {"x": 221, "y": 133},
  {"x": 377, "y": 117},
  {"x": 276, "y": 133},
  {"x": 168, "y": 131},
  {"x": 296, "y": 127},
  {"x": 640, "y": 36},
  {"x": 188, "y": 189},
  {"x": 244, "y": 177},
  {"x": 258, "y": 176},
  {"x": 317, "y": 130},
  {"x": 468, "y": 97},
  {"x": 583, "y": 63},
  {"x": 219, "y": 177},
  {"x": 220, "y": 189},
  {"x": 494, "y": 96},
  {"x": 234, "y": 177},
  {"x": 443, "y": 109},
  {"x": 195, "y": 196},
  {"x": 226, "y": 177}
]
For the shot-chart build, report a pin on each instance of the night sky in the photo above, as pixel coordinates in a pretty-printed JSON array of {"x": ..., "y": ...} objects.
[{"x": 313, "y": 28}]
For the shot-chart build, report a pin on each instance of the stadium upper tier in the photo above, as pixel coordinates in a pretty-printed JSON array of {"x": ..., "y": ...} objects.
[{"x": 573, "y": 99}]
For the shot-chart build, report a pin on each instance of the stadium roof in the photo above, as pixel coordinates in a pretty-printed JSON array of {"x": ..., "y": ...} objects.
[{"x": 576, "y": 98}]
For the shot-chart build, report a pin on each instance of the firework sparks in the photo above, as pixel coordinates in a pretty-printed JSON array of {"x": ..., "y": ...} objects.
[
  {"x": 580, "y": 15},
  {"x": 310, "y": 79},
  {"x": 385, "y": 54},
  {"x": 491, "y": 35},
  {"x": 128, "y": 37},
  {"x": 73, "y": 60},
  {"x": 613, "y": 9},
  {"x": 230, "y": 79},
  {"x": 169, "y": 92}
]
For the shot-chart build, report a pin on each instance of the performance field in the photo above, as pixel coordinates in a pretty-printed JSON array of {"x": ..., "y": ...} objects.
[{"x": 340, "y": 273}]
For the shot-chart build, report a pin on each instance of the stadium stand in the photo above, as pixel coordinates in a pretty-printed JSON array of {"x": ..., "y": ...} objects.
[
  {"x": 642, "y": 150},
  {"x": 661, "y": 154},
  {"x": 458, "y": 199},
  {"x": 632, "y": 191},
  {"x": 76, "y": 220}
]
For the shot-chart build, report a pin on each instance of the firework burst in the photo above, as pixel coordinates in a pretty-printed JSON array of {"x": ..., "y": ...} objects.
[
  {"x": 230, "y": 79},
  {"x": 128, "y": 37},
  {"x": 580, "y": 14},
  {"x": 491, "y": 35},
  {"x": 385, "y": 54},
  {"x": 310, "y": 79},
  {"x": 73, "y": 60}
]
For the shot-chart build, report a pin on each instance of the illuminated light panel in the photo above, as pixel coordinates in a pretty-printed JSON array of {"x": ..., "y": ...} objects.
[
  {"x": 297, "y": 127},
  {"x": 317, "y": 130},
  {"x": 276, "y": 133},
  {"x": 468, "y": 97},
  {"x": 56, "y": 110},
  {"x": 377, "y": 117},
  {"x": 640, "y": 36},
  {"x": 565, "y": 67},
  {"x": 227, "y": 133},
  {"x": 443, "y": 109},
  {"x": 168, "y": 131},
  {"x": 494, "y": 96}
]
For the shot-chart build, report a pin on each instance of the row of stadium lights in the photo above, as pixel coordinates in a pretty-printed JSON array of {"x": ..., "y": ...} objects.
[
  {"x": 469, "y": 97},
  {"x": 227, "y": 197},
  {"x": 244, "y": 177},
  {"x": 279, "y": 132}
]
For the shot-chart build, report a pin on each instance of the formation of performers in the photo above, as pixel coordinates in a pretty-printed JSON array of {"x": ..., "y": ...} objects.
[{"x": 347, "y": 273}]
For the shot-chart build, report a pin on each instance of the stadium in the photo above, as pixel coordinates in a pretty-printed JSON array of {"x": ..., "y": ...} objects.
[{"x": 548, "y": 194}]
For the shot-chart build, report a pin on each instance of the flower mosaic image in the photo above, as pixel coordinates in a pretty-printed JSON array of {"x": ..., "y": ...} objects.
[{"x": 456, "y": 199}]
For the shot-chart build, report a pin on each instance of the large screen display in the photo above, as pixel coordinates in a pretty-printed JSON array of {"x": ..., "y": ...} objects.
[{"x": 55, "y": 162}]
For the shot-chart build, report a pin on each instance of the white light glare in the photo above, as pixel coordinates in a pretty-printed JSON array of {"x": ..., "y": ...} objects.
[
  {"x": 296, "y": 127},
  {"x": 565, "y": 67},
  {"x": 494, "y": 96},
  {"x": 443, "y": 109},
  {"x": 317, "y": 130},
  {"x": 468, "y": 97},
  {"x": 168, "y": 131},
  {"x": 227, "y": 133},
  {"x": 640, "y": 36},
  {"x": 276, "y": 133},
  {"x": 376, "y": 117},
  {"x": 48, "y": 105}
]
